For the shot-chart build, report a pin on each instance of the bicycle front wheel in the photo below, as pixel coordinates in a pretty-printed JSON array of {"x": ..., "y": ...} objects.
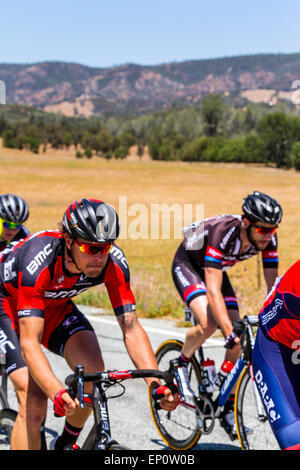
[
  {"x": 117, "y": 447},
  {"x": 253, "y": 428},
  {"x": 178, "y": 429},
  {"x": 7, "y": 422}
]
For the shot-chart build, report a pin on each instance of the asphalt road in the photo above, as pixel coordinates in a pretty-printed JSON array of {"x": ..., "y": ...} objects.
[{"x": 130, "y": 417}]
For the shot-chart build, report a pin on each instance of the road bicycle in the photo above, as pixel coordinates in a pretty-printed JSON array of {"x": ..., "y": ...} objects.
[
  {"x": 8, "y": 413},
  {"x": 182, "y": 428},
  {"x": 104, "y": 384}
]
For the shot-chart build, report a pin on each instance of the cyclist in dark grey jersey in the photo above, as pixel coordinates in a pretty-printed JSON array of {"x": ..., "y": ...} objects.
[{"x": 210, "y": 247}]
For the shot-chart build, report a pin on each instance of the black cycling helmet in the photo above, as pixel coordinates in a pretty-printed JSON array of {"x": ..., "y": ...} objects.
[
  {"x": 13, "y": 208},
  {"x": 92, "y": 220},
  {"x": 259, "y": 207}
]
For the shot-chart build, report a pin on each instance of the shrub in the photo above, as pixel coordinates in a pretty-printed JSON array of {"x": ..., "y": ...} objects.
[{"x": 294, "y": 156}]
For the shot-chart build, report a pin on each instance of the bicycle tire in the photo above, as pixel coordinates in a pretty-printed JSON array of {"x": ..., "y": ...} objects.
[
  {"x": 90, "y": 441},
  {"x": 253, "y": 433},
  {"x": 7, "y": 421},
  {"x": 178, "y": 428},
  {"x": 117, "y": 447}
]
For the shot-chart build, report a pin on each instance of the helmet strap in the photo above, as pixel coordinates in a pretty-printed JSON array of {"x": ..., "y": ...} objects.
[
  {"x": 250, "y": 238},
  {"x": 70, "y": 254}
]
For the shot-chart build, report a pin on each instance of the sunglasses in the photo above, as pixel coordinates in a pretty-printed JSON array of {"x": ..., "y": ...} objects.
[
  {"x": 265, "y": 230},
  {"x": 94, "y": 249},
  {"x": 11, "y": 225}
]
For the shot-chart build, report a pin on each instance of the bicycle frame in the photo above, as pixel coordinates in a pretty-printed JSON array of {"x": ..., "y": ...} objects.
[
  {"x": 232, "y": 378},
  {"x": 3, "y": 386},
  {"x": 244, "y": 360},
  {"x": 102, "y": 424},
  {"x": 99, "y": 436}
]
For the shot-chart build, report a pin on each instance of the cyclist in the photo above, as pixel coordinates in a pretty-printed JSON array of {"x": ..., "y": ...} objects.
[
  {"x": 14, "y": 212},
  {"x": 276, "y": 362},
  {"x": 38, "y": 279},
  {"x": 209, "y": 248}
]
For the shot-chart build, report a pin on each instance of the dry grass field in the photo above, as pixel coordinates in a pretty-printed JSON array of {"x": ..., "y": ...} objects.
[{"x": 49, "y": 182}]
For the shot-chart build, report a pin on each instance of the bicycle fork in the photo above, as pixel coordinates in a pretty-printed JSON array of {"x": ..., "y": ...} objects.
[{"x": 101, "y": 417}]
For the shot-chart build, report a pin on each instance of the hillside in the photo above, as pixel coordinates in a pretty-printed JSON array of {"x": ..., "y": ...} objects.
[{"x": 78, "y": 90}]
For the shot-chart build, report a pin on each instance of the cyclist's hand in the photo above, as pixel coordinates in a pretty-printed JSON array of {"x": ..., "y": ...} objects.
[
  {"x": 63, "y": 404},
  {"x": 168, "y": 401},
  {"x": 232, "y": 340}
]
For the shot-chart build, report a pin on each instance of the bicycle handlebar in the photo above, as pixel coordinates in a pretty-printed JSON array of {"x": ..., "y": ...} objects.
[
  {"x": 75, "y": 381},
  {"x": 114, "y": 375}
]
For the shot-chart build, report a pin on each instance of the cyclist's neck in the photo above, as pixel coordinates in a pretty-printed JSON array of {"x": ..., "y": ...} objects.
[
  {"x": 245, "y": 242},
  {"x": 70, "y": 264}
]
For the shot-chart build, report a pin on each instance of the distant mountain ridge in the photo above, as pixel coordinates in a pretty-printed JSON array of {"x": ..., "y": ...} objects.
[{"x": 79, "y": 90}]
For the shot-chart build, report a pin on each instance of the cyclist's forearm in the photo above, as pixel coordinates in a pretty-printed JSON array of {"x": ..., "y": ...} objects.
[
  {"x": 219, "y": 311},
  {"x": 40, "y": 370},
  {"x": 140, "y": 351},
  {"x": 270, "y": 275}
]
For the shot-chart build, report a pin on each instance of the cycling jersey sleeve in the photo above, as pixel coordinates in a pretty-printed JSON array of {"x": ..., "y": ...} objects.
[
  {"x": 31, "y": 294},
  {"x": 270, "y": 254},
  {"x": 214, "y": 253},
  {"x": 33, "y": 277},
  {"x": 289, "y": 288},
  {"x": 118, "y": 287},
  {"x": 213, "y": 257}
]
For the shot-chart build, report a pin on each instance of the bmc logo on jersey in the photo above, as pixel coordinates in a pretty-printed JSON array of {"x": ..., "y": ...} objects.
[
  {"x": 64, "y": 294},
  {"x": 38, "y": 260}
]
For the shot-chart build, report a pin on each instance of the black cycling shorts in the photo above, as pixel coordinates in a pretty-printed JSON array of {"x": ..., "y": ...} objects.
[
  {"x": 190, "y": 281},
  {"x": 72, "y": 322}
]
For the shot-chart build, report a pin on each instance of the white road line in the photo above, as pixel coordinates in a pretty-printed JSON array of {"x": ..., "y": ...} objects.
[{"x": 166, "y": 333}]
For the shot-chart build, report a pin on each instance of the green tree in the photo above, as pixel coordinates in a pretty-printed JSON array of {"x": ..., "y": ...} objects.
[
  {"x": 233, "y": 151},
  {"x": 278, "y": 132},
  {"x": 33, "y": 143},
  {"x": 121, "y": 152},
  {"x": 294, "y": 155},
  {"x": 9, "y": 138},
  {"x": 254, "y": 149},
  {"x": 88, "y": 152},
  {"x": 212, "y": 111}
]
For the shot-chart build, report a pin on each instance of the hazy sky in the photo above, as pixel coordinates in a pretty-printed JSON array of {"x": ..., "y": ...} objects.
[{"x": 148, "y": 32}]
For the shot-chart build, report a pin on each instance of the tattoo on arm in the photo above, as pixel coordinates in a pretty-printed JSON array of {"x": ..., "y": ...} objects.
[{"x": 127, "y": 321}]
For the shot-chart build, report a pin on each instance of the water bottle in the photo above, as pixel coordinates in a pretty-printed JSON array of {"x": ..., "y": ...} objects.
[
  {"x": 209, "y": 374},
  {"x": 223, "y": 372}
]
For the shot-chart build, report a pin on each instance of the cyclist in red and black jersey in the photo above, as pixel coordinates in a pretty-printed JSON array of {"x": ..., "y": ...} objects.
[
  {"x": 209, "y": 248},
  {"x": 37, "y": 282},
  {"x": 14, "y": 212}
]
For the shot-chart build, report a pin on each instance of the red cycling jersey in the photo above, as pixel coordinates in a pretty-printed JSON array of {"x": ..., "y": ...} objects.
[
  {"x": 35, "y": 283},
  {"x": 280, "y": 314}
]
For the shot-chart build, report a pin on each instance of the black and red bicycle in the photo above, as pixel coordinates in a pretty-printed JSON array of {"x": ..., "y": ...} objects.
[{"x": 99, "y": 437}]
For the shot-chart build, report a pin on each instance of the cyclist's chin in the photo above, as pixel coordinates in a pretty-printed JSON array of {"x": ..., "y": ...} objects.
[
  {"x": 92, "y": 271},
  {"x": 262, "y": 245}
]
